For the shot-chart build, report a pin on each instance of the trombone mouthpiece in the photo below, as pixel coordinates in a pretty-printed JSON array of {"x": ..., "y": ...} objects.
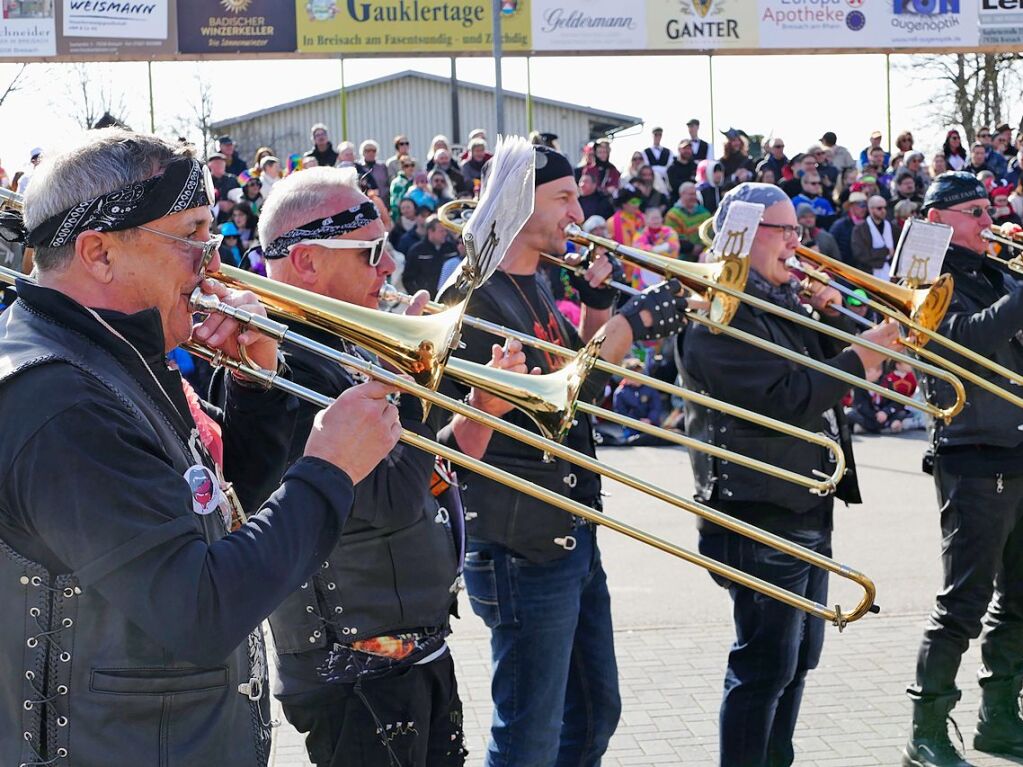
[
  {"x": 573, "y": 230},
  {"x": 203, "y": 302},
  {"x": 391, "y": 296}
]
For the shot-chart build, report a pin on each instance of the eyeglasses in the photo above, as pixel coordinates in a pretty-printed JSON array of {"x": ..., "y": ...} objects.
[
  {"x": 983, "y": 135},
  {"x": 403, "y": 143},
  {"x": 787, "y": 230},
  {"x": 976, "y": 211},
  {"x": 375, "y": 247},
  {"x": 208, "y": 247},
  {"x": 813, "y": 183}
]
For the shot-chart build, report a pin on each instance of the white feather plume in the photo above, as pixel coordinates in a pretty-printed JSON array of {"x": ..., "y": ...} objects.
[{"x": 505, "y": 204}]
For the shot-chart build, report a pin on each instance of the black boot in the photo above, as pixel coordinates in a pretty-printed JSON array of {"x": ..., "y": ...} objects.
[
  {"x": 929, "y": 746},
  {"x": 1000, "y": 728}
]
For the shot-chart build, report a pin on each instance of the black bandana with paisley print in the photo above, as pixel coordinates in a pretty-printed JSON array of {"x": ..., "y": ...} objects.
[
  {"x": 184, "y": 184},
  {"x": 336, "y": 224}
]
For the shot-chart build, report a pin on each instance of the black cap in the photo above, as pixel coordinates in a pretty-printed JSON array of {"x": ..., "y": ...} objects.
[
  {"x": 952, "y": 188},
  {"x": 693, "y": 121},
  {"x": 550, "y": 165},
  {"x": 830, "y": 138},
  {"x": 225, "y": 140}
]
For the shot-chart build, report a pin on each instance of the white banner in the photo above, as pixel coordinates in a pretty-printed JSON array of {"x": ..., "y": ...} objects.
[
  {"x": 929, "y": 24},
  {"x": 27, "y": 29},
  {"x": 108, "y": 19},
  {"x": 819, "y": 24},
  {"x": 1001, "y": 22},
  {"x": 592, "y": 25}
]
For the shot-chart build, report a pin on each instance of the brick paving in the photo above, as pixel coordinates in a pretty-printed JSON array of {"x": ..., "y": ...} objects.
[
  {"x": 854, "y": 711},
  {"x": 673, "y": 631}
]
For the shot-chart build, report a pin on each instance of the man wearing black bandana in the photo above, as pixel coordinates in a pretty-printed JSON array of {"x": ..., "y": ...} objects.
[
  {"x": 978, "y": 473},
  {"x": 776, "y": 645},
  {"x": 132, "y": 628},
  {"x": 533, "y": 572},
  {"x": 362, "y": 660}
]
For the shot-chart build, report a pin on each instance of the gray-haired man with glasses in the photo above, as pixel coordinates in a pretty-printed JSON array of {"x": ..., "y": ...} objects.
[
  {"x": 126, "y": 578},
  {"x": 363, "y": 664}
]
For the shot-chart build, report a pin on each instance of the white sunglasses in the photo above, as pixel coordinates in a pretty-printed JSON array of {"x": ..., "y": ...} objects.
[{"x": 375, "y": 247}]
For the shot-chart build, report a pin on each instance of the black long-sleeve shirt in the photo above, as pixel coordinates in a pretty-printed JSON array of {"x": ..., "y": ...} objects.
[{"x": 81, "y": 490}]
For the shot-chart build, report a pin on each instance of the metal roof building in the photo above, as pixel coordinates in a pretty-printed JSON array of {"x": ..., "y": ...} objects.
[{"x": 419, "y": 106}]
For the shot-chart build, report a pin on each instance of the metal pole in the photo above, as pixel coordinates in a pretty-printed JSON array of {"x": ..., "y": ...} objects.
[
  {"x": 152, "y": 108},
  {"x": 710, "y": 78},
  {"x": 529, "y": 94},
  {"x": 344, "y": 104},
  {"x": 456, "y": 128},
  {"x": 888, "y": 96},
  {"x": 498, "y": 88}
]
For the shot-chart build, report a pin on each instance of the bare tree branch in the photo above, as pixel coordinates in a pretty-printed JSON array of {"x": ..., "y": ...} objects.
[
  {"x": 92, "y": 101},
  {"x": 973, "y": 89},
  {"x": 13, "y": 86}
]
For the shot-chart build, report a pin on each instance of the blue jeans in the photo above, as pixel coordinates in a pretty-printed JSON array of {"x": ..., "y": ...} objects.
[
  {"x": 555, "y": 678},
  {"x": 775, "y": 645}
]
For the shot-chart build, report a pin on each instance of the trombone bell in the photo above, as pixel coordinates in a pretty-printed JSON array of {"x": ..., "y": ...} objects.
[{"x": 419, "y": 346}]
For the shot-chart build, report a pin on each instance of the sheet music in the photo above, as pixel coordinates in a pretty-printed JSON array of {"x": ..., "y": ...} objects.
[
  {"x": 735, "y": 236},
  {"x": 921, "y": 251}
]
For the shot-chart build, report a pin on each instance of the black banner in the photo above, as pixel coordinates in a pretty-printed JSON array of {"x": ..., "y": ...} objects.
[{"x": 236, "y": 26}]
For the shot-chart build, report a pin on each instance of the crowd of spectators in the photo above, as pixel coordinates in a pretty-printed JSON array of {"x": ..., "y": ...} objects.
[{"x": 851, "y": 205}]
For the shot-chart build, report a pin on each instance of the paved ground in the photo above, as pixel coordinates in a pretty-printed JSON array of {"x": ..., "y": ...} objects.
[{"x": 673, "y": 628}]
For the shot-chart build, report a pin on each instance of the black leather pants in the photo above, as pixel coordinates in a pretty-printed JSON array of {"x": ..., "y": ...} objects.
[{"x": 982, "y": 557}]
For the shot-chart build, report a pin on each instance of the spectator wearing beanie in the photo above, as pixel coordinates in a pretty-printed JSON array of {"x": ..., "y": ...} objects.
[{"x": 1004, "y": 213}]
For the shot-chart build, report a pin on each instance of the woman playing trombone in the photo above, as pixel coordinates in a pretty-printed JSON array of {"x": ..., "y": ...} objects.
[{"x": 775, "y": 645}]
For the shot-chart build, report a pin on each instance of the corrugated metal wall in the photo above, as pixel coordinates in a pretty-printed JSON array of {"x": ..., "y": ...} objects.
[{"x": 416, "y": 107}]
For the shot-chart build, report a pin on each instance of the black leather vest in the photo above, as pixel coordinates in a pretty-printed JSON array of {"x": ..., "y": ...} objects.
[
  {"x": 987, "y": 419},
  {"x": 378, "y": 579},
  {"x": 495, "y": 512},
  {"x": 82, "y": 685},
  {"x": 723, "y": 479}
]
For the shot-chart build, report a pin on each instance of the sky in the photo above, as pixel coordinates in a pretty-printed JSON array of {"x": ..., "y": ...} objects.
[{"x": 795, "y": 97}]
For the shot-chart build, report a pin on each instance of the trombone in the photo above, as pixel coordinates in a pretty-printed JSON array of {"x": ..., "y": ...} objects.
[
  {"x": 1013, "y": 241},
  {"x": 920, "y": 309},
  {"x": 735, "y": 272},
  {"x": 671, "y": 268}
]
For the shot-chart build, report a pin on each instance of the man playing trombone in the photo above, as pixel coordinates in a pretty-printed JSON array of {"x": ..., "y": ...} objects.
[
  {"x": 363, "y": 665},
  {"x": 977, "y": 460},
  {"x": 132, "y": 628},
  {"x": 534, "y": 573},
  {"x": 776, "y": 645}
]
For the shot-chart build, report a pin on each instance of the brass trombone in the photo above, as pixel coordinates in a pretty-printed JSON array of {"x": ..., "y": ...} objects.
[
  {"x": 671, "y": 268},
  {"x": 1013, "y": 241},
  {"x": 919, "y": 309},
  {"x": 734, "y": 273}
]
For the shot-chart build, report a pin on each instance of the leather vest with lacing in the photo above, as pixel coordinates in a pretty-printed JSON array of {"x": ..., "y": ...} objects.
[{"x": 80, "y": 684}]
